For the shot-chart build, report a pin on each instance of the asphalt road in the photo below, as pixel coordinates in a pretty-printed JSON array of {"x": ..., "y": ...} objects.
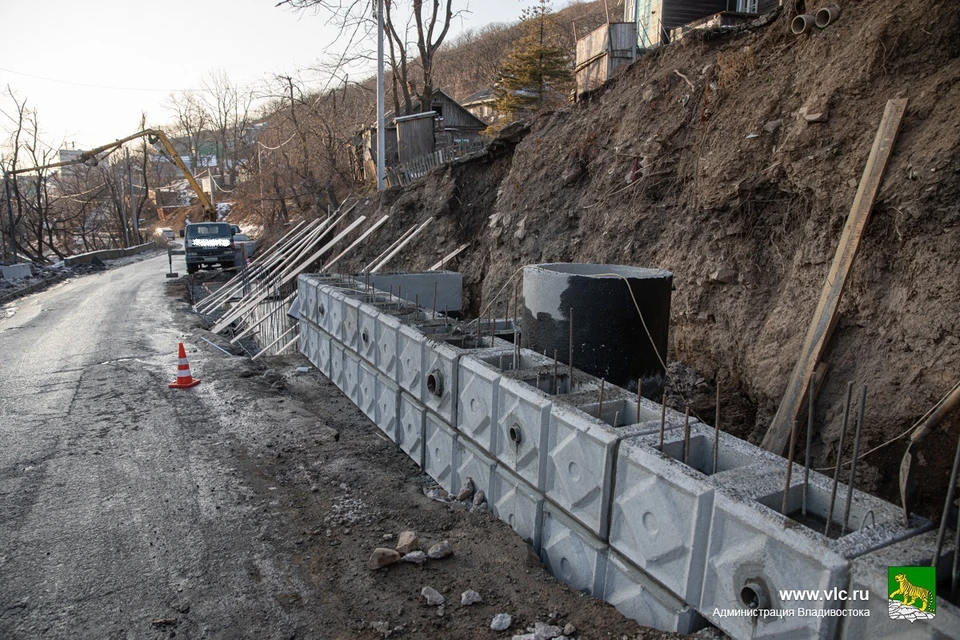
[{"x": 118, "y": 516}]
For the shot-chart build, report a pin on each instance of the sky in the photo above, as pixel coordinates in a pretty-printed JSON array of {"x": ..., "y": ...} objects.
[{"x": 91, "y": 68}]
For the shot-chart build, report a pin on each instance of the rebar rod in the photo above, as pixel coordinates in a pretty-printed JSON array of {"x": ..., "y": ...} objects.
[
  {"x": 663, "y": 418},
  {"x": 686, "y": 437},
  {"x": 600, "y": 402},
  {"x": 792, "y": 453},
  {"x": 836, "y": 470},
  {"x": 853, "y": 462},
  {"x": 946, "y": 509},
  {"x": 806, "y": 459},
  {"x": 570, "y": 354},
  {"x": 716, "y": 430}
]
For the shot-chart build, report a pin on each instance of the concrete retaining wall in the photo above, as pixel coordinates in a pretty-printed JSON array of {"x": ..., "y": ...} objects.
[
  {"x": 668, "y": 539},
  {"x": 108, "y": 254}
]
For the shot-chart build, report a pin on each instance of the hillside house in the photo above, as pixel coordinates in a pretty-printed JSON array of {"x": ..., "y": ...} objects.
[
  {"x": 659, "y": 21},
  {"x": 483, "y": 104},
  {"x": 447, "y": 127}
]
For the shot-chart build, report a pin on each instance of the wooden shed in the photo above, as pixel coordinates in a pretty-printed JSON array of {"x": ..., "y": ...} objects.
[
  {"x": 602, "y": 51},
  {"x": 415, "y": 135}
]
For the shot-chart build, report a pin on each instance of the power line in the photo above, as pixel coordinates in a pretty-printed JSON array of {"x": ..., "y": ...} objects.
[{"x": 95, "y": 86}]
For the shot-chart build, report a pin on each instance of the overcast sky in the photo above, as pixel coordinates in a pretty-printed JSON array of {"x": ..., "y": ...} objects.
[{"x": 90, "y": 68}]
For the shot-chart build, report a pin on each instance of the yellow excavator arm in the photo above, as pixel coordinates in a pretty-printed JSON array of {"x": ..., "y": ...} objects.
[{"x": 153, "y": 136}]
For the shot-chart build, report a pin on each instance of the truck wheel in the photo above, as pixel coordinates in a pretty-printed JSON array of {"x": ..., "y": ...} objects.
[{"x": 192, "y": 268}]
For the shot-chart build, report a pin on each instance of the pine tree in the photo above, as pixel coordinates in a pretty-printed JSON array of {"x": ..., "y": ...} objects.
[{"x": 536, "y": 73}]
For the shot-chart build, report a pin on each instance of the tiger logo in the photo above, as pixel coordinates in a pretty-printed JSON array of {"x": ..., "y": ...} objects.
[{"x": 911, "y": 593}]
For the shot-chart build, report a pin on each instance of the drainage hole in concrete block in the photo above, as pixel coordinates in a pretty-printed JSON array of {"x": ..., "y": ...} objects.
[
  {"x": 700, "y": 456},
  {"x": 818, "y": 504},
  {"x": 621, "y": 413}
]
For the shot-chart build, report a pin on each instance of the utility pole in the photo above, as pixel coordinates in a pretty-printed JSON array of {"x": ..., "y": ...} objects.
[
  {"x": 123, "y": 213},
  {"x": 13, "y": 235},
  {"x": 381, "y": 134},
  {"x": 135, "y": 215}
]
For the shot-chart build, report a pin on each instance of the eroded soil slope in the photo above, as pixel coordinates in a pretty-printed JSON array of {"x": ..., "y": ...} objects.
[{"x": 702, "y": 158}]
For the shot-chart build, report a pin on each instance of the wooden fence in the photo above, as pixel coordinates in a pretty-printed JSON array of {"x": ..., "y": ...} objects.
[{"x": 406, "y": 172}]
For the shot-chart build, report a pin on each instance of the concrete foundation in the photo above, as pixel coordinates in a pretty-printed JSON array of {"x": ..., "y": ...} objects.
[
  {"x": 665, "y": 535},
  {"x": 421, "y": 286}
]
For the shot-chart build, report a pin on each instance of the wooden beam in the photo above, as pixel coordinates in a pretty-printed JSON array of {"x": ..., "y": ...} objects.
[
  {"x": 288, "y": 274},
  {"x": 281, "y": 337},
  {"x": 825, "y": 316},
  {"x": 450, "y": 256},
  {"x": 253, "y": 326},
  {"x": 400, "y": 246},
  {"x": 389, "y": 249},
  {"x": 379, "y": 223}
]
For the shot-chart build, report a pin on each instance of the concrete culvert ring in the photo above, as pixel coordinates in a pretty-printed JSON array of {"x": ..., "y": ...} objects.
[
  {"x": 754, "y": 595},
  {"x": 515, "y": 434},
  {"x": 802, "y": 24},
  {"x": 435, "y": 383}
]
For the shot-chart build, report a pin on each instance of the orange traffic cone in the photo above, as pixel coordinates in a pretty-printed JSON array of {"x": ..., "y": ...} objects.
[{"x": 184, "y": 379}]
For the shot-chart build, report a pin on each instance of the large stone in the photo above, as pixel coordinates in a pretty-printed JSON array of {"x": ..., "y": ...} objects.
[
  {"x": 408, "y": 542},
  {"x": 469, "y": 597},
  {"x": 382, "y": 558},
  {"x": 416, "y": 557}
]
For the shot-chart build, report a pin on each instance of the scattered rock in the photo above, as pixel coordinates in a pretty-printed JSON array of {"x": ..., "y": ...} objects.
[
  {"x": 469, "y": 597},
  {"x": 467, "y": 491},
  {"x": 723, "y": 276},
  {"x": 569, "y": 629},
  {"x": 773, "y": 126},
  {"x": 811, "y": 114},
  {"x": 440, "y": 550},
  {"x": 501, "y": 622},
  {"x": 407, "y": 542},
  {"x": 433, "y": 597},
  {"x": 387, "y": 537},
  {"x": 543, "y": 631},
  {"x": 521, "y": 231},
  {"x": 479, "y": 498},
  {"x": 382, "y": 557},
  {"x": 416, "y": 557}
]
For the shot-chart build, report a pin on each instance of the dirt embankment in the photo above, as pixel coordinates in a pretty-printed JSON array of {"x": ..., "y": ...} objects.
[{"x": 702, "y": 158}]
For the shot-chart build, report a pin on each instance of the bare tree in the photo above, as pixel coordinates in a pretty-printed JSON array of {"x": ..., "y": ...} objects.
[
  {"x": 228, "y": 112},
  {"x": 191, "y": 120}
]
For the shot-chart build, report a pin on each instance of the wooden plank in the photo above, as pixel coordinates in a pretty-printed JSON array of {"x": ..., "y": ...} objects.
[
  {"x": 393, "y": 253},
  {"x": 450, "y": 256},
  {"x": 825, "y": 316},
  {"x": 253, "y": 326},
  {"x": 286, "y": 274},
  {"x": 393, "y": 244},
  {"x": 379, "y": 223}
]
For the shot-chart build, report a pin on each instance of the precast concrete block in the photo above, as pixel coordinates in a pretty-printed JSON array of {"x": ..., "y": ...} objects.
[
  {"x": 520, "y": 441},
  {"x": 307, "y": 296},
  {"x": 351, "y": 323},
  {"x": 386, "y": 335},
  {"x": 336, "y": 364},
  {"x": 660, "y": 517},
  {"x": 308, "y": 340},
  {"x": 753, "y": 554},
  {"x": 336, "y": 301},
  {"x": 478, "y": 383},
  {"x": 446, "y": 286},
  {"x": 869, "y": 590},
  {"x": 367, "y": 338},
  {"x": 412, "y": 421},
  {"x": 351, "y": 376},
  {"x": 410, "y": 360},
  {"x": 16, "y": 271},
  {"x": 439, "y": 443},
  {"x": 469, "y": 461},
  {"x": 323, "y": 353},
  {"x": 639, "y": 597},
  {"x": 367, "y": 390},
  {"x": 518, "y": 504},
  {"x": 579, "y": 466},
  {"x": 388, "y": 407},
  {"x": 438, "y": 389},
  {"x": 571, "y": 553}
]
